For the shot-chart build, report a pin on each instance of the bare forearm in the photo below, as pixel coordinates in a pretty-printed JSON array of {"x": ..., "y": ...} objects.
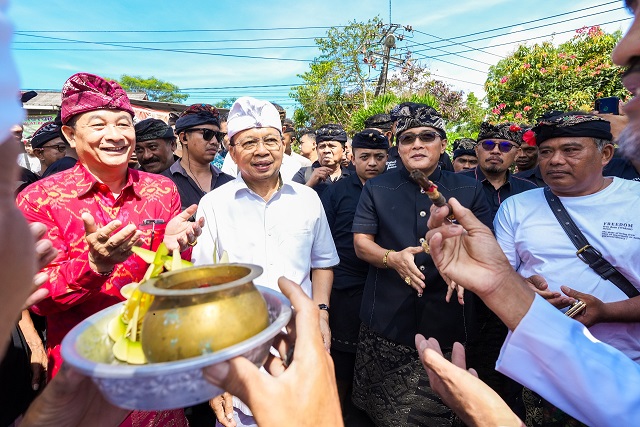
[
  {"x": 321, "y": 284},
  {"x": 369, "y": 251},
  {"x": 511, "y": 301},
  {"x": 29, "y": 330},
  {"x": 625, "y": 311}
]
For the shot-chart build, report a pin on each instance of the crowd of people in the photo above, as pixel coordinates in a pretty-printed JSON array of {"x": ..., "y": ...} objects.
[{"x": 386, "y": 286}]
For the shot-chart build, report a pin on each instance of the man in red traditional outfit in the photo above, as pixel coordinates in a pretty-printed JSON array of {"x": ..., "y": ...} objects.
[{"x": 96, "y": 211}]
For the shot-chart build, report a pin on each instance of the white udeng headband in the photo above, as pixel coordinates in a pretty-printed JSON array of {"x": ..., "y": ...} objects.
[
  {"x": 248, "y": 113},
  {"x": 11, "y": 112}
]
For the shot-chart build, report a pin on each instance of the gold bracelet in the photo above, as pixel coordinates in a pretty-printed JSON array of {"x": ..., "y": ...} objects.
[{"x": 385, "y": 257}]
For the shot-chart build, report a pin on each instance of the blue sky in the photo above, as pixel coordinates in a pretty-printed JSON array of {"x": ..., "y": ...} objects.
[{"x": 208, "y": 77}]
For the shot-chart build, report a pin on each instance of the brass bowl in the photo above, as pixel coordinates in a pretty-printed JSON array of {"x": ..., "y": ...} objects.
[
  {"x": 200, "y": 310},
  {"x": 161, "y": 386}
]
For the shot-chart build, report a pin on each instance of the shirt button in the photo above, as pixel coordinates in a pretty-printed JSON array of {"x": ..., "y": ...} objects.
[
  {"x": 421, "y": 240},
  {"x": 421, "y": 268},
  {"x": 423, "y": 214}
]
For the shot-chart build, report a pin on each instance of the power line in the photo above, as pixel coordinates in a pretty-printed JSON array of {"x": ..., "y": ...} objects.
[
  {"x": 217, "y": 30},
  {"x": 160, "y": 41},
  {"x": 129, "y": 49},
  {"x": 525, "y": 29},
  {"x": 539, "y": 37},
  {"x": 535, "y": 20},
  {"x": 173, "y": 50}
]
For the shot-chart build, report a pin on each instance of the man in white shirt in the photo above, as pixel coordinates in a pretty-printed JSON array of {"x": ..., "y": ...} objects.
[
  {"x": 573, "y": 150},
  {"x": 262, "y": 219}
]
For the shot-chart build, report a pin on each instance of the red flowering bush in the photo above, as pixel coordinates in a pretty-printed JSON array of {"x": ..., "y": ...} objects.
[{"x": 546, "y": 77}]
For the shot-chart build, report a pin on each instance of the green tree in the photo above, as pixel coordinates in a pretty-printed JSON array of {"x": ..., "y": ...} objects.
[
  {"x": 537, "y": 79},
  {"x": 337, "y": 81},
  {"x": 156, "y": 90},
  {"x": 383, "y": 104},
  {"x": 225, "y": 103}
]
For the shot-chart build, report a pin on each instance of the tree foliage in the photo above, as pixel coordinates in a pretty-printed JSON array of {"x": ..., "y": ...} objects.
[
  {"x": 337, "y": 81},
  {"x": 537, "y": 79},
  {"x": 383, "y": 104},
  {"x": 156, "y": 90},
  {"x": 225, "y": 103}
]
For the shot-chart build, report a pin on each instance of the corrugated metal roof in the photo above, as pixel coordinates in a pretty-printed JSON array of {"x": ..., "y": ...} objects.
[{"x": 52, "y": 99}]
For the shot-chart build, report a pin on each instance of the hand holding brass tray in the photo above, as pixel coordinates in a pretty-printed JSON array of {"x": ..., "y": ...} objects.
[{"x": 200, "y": 316}]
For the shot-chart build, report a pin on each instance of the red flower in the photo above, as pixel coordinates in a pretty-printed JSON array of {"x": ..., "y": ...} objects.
[
  {"x": 504, "y": 79},
  {"x": 501, "y": 106},
  {"x": 527, "y": 107},
  {"x": 529, "y": 137},
  {"x": 515, "y": 128},
  {"x": 527, "y": 65}
]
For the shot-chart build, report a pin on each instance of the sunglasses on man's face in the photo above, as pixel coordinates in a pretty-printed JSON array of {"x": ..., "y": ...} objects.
[
  {"x": 503, "y": 146},
  {"x": 208, "y": 134},
  {"x": 410, "y": 138},
  {"x": 60, "y": 148}
]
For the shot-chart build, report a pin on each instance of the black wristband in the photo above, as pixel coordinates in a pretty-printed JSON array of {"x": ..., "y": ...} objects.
[{"x": 323, "y": 307}]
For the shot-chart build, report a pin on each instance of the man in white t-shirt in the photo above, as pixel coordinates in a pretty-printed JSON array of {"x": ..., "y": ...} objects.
[{"x": 573, "y": 149}]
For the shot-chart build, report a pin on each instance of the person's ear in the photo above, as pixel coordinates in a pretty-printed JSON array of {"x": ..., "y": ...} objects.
[
  {"x": 607, "y": 154},
  {"x": 70, "y": 135},
  {"x": 443, "y": 146}
]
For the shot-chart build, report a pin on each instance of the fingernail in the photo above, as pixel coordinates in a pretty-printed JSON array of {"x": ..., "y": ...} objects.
[
  {"x": 437, "y": 210},
  {"x": 35, "y": 387}
]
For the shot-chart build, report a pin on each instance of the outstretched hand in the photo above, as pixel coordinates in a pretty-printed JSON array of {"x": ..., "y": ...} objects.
[
  {"x": 182, "y": 233},
  {"x": 468, "y": 254},
  {"x": 461, "y": 390},
  {"x": 302, "y": 384}
]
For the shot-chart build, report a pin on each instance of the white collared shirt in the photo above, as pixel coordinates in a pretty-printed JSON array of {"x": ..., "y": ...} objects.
[{"x": 287, "y": 236}]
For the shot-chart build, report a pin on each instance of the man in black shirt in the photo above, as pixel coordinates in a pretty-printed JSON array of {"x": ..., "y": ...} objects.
[
  {"x": 404, "y": 294},
  {"x": 327, "y": 170},
  {"x": 199, "y": 131},
  {"x": 340, "y": 202},
  {"x": 496, "y": 150}
]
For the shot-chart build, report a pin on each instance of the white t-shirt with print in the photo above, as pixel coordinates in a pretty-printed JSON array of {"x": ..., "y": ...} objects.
[{"x": 535, "y": 243}]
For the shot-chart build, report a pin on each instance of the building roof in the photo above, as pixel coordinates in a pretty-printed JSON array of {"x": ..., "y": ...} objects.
[{"x": 46, "y": 99}]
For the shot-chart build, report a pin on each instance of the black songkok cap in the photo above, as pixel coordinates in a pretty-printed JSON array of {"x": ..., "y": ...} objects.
[
  {"x": 379, "y": 121},
  {"x": 198, "y": 114},
  {"x": 44, "y": 134},
  {"x": 509, "y": 131},
  {"x": 577, "y": 124},
  {"x": 464, "y": 147},
  {"x": 331, "y": 132},
  {"x": 410, "y": 115},
  {"x": 370, "y": 138},
  {"x": 149, "y": 129}
]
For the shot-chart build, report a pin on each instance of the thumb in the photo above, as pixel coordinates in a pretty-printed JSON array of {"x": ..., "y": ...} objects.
[
  {"x": 189, "y": 212},
  {"x": 539, "y": 282},
  {"x": 89, "y": 223},
  {"x": 571, "y": 292},
  {"x": 236, "y": 376},
  {"x": 416, "y": 249}
]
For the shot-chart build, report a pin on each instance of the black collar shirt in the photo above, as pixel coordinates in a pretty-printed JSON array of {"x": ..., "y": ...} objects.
[
  {"x": 534, "y": 175},
  {"x": 340, "y": 201},
  {"x": 190, "y": 192},
  {"x": 513, "y": 185},
  {"x": 395, "y": 211},
  {"x": 303, "y": 175}
]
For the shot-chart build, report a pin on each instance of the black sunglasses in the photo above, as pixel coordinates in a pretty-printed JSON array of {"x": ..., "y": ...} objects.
[
  {"x": 504, "y": 146},
  {"x": 208, "y": 134},
  {"x": 60, "y": 148},
  {"x": 410, "y": 138}
]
